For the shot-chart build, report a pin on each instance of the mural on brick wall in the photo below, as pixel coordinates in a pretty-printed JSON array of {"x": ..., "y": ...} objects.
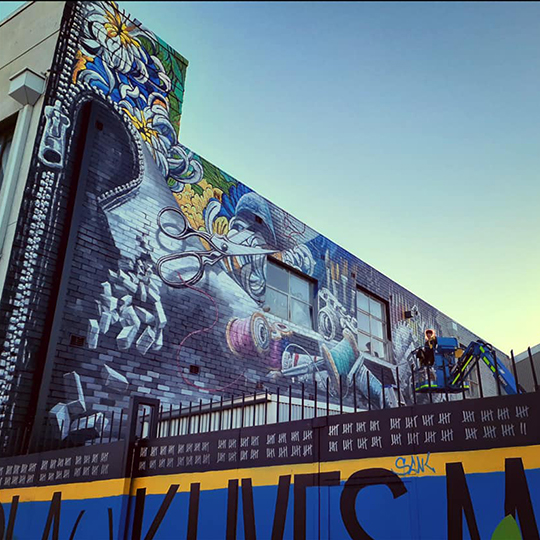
[{"x": 176, "y": 304}]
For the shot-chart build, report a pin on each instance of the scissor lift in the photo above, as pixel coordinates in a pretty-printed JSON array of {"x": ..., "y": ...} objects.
[
  {"x": 449, "y": 374},
  {"x": 479, "y": 350}
]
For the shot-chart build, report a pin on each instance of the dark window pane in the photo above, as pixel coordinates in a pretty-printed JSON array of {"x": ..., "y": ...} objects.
[
  {"x": 364, "y": 342},
  {"x": 300, "y": 288},
  {"x": 277, "y": 302},
  {"x": 377, "y": 348},
  {"x": 375, "y": 308},
  {"x": 377, "y": 328},
  {"x": 300, "y": 313},
  {"x": 363, "y": 321},
  {"x": 362, "y": 301},
  {"x": 277, "y": 277}
]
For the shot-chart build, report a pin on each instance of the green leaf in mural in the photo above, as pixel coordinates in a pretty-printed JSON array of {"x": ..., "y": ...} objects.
[
  {"x": 507, "y": 529},
  {"x": 215, "y": 177},
  {"x": 197, "y": 189},
  {"x": 146, "y": 43},
  {"x": 174, "y": 112},
  {"x": 179, "y": 70}
]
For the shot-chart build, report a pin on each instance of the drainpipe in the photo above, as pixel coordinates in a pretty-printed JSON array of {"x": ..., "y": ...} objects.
[{"x": 26, "y": 87}]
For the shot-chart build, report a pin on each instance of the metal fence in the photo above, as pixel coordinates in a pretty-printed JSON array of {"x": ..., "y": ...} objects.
[{"x": 276, "y": 404}]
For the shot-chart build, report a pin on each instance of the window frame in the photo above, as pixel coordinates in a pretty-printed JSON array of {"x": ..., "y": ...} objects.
[
  {"x": 312, "y": 283},
  {"x": 386, "y": 339}
]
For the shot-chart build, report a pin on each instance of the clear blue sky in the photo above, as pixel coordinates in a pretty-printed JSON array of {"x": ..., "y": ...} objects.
[{"x": 408, "y": 133}]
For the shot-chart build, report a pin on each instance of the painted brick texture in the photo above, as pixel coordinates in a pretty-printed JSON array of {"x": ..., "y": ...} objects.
[{"x": 130, "y": 314}]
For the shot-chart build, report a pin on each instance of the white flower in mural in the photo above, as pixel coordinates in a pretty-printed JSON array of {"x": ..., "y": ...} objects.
[
  {"x": 153, "y": 124},
  {"x": 154, "y": 127},
  {"x": 183, "y": 168},
  {"x": 109, "y": 34},
  {"x": 117, "y": 58}
]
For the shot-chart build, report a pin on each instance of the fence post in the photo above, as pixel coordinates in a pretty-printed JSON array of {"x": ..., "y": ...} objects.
[
  {"x": 340, "y": 395},
  {"x": 369, "y": 390},
  {"x": 277, "y": 409},
  {"x": 532, "y": 369},
  {"x": 398, "y": 387},
  {"x": 220, "y": 412},
  {"x": 383, "y": 391},
  {"x": 290, "y": 402},
  {"x": 303, "y": 392},
  {"x": 479, "y": 375},
  {"x": 327, "y": 397},
  {"x": 179, "y": 419},
  {"x": 497, "y": 377},
  {"x": 243, "y": 405},
  {"x": 354, "y": 391},
  {"x": 266, "y": 407},
  {"x": 232, "y": 408},
  {"x": 316, "y": 392},
  {"x": 514, "y": 367},
  {"x": 254, "y": 406}
]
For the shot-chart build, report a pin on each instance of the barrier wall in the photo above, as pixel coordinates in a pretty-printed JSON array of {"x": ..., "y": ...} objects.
[{"x": 440, "y": 471}]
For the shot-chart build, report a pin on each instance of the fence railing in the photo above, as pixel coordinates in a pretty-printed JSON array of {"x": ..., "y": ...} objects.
[
  {"x": 283, "y": 404},
  {"x": 96, "y": 428},
  {"x": 246, "y": 411}
]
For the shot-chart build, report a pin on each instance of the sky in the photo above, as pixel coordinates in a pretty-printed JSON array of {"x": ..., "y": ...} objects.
[{"x": 408, "y": 133}]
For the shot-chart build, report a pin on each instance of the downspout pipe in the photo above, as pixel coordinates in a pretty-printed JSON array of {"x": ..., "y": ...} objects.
[{"x": 26, "y": 87}]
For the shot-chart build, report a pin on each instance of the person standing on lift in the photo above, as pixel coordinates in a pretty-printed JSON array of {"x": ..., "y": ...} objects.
[{"x": 426, "y": 356}]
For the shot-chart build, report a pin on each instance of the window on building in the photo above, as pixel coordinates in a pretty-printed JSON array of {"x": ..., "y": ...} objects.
[
  {"x": 372, "y": 325},
  {"x": 6, "y": 136},
  {"x": 289, "y": 295}
]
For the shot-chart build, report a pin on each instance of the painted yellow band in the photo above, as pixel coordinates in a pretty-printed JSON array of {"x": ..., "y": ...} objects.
[{"x": 478, "y": 461}]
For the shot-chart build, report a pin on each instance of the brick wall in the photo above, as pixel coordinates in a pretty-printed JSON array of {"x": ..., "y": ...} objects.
[{"x": 119, "y": 319}]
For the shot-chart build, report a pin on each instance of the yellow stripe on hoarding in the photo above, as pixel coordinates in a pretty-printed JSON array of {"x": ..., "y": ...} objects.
[
  {"x": 83, "y": 490},
  {"x": 476, "y": 461}
]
